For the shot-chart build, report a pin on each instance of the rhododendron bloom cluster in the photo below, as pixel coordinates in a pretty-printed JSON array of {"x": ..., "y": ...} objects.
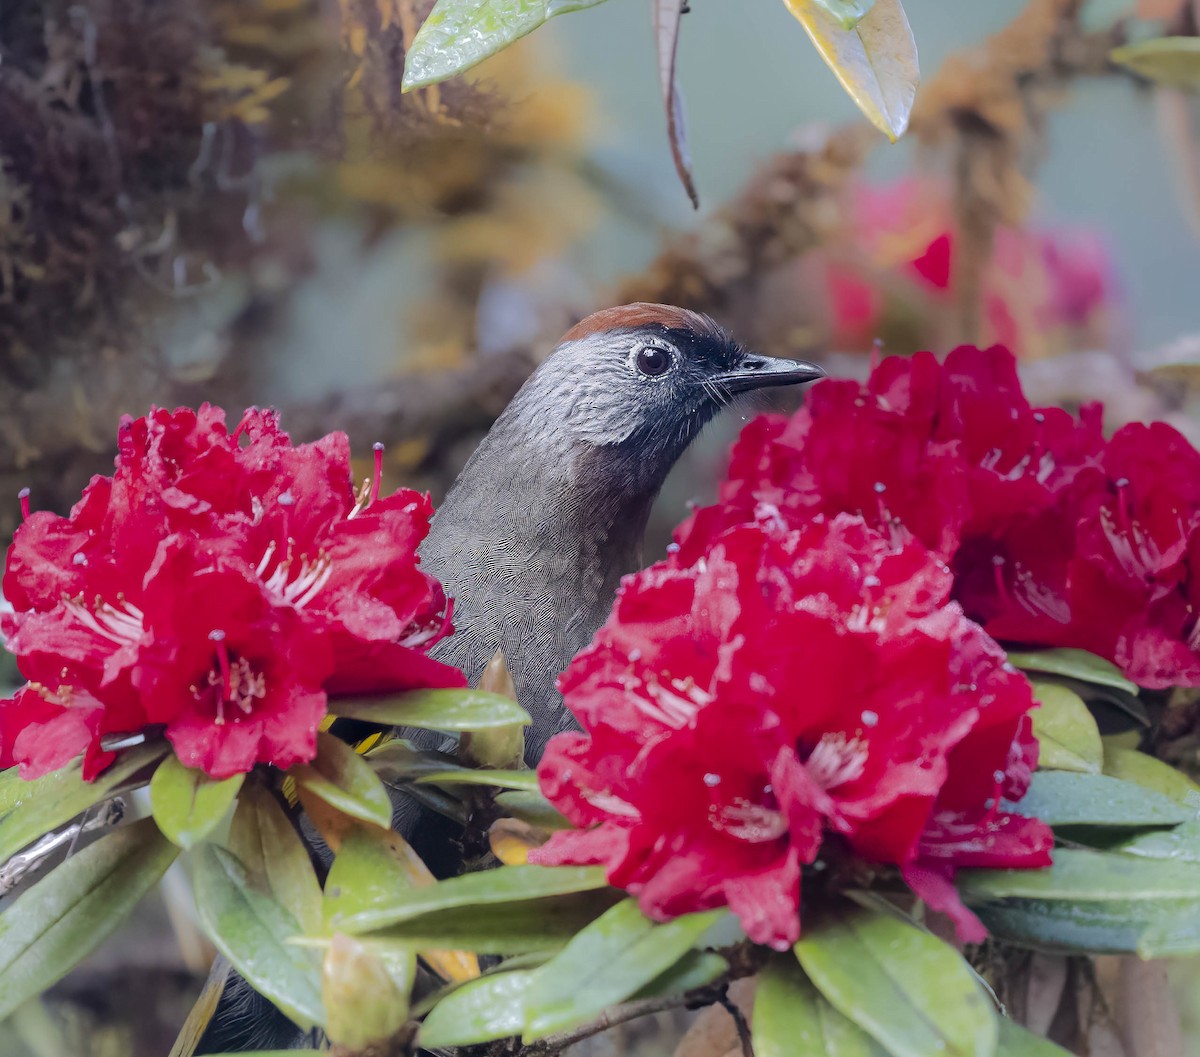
[
  {"x": 781, "y": 687},
  {"x": 220, "y": 585},
  {"x": 1056, "y": 536},
  {"x": 1042, "y": 292}
]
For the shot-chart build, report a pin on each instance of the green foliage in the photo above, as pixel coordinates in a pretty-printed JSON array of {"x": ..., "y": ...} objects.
[
  {"x": 1094, "y": 902},
  {"x": 791, "y": 1017},
  {"x": 492, "y": 1007},
  {"x": 610, "y": 960},
  {"x": 252, "y": 930},
  {"x": 341, "y": 778},
  {"x": 58, "y": 922},
  {"x": 451, "y": 710},
  {"x": 459, "y": 34},
  {"x": 532, "y": 808},
  {"x": 1075, "y": 664},
  {"x": 276, "y": 862},
  {"x": 507, "y": 885},
  {"x": 525, "y": 781},
  {"x": 1062, "y": 798},
  {"x": 908, "y": 990},
  {"x": 1132, "y": 766},
  {"x": 1066, "y": 731},
  {"x": 187, "y": 804}
]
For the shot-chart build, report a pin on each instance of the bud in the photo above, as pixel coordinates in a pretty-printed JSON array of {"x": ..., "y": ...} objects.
[
  {"x": 501, "y": 747},
  {"x": 365, "y": 997}
]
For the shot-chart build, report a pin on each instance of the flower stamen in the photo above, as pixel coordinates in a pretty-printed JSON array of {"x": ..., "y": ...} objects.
[
  {"x": 23, "y": 496},
  {"x": 121, "y": 626},
  {"x": 377, "y": 448},
  {"x": 217, "y": 638},
  {"x": 836, "y": 759}
]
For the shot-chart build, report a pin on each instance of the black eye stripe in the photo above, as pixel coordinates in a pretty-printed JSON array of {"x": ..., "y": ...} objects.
[{"x": 652, "y": 361}]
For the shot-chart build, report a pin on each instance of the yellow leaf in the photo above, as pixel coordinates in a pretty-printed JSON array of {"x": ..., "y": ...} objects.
[
  {"x": 1170, "y": 61},
  {"x": 512, "y": 840},
  {"x": 876, "y": 62}
]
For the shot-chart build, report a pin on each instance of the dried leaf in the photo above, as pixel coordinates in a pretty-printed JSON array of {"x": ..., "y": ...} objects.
[{"x": 667, "y": 17}]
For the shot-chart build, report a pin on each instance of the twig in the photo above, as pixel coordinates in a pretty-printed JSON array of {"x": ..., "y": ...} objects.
[
  {"x": 739, "y": 1022},
  {"x": 554, "y": 1044},
  {"x": 14, "y": 870}
]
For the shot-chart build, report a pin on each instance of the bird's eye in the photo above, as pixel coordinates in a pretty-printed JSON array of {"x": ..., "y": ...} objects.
[{"x": 652, "y": 361}]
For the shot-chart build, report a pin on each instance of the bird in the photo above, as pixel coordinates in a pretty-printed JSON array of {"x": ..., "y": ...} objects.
[{"x": 547, "y": 515}]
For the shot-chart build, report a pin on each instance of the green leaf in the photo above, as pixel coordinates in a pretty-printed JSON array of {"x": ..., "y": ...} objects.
[
  {"x": 912, "y": 993},
  {"x": 434, "y": 709},
  {"x": 533, "y": 808},
  {"x": 1015, "y": 1041},
  {"x": 58, "y": 797},
  {"x": 1180, "y": 844},
  {"x": 614, "y": 957},
  {"x": 1132, "y": 766},
  {"x": 848, "y": 13},
  {"x": 694, "y": 969},
  {"x": 492, "y": 1007},
  {"x": 53, "y": 926},
  {"x": 503, "y": 928},
  {"x": 276, "y": 861},
  {"x": 365, "y": 873},
  {"x": 344, "y": 780},
  {"x": 252, "y": 931},
  {"x": 1171, "y": 61},
  {"x": 526, "y": 781},
  {"x": 458, "y": 34},
  {"x": 791, "y": 1017},
  {"x": 1075, "y": 664},
  {"x": 1079, "y": 875},
  {"x": 876, "y": 61},
  {"x": 1064, "y": 927},
  {"x": 1066, "y": 731},
  {"x": 187, "y": 804},
  {"x": 1064, "y": 798},
  {"x": 1172, "y": 935},
  {"x": 366, "y": 1000},
  {"x": 508, "y": 884},
  {"x": 398, "y": 761}
]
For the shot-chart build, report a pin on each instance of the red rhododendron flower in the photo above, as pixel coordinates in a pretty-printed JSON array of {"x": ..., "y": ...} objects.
[
  {"x": 744, "y": 702},
  {"x": 1056, "y": 536},
  {"x": 218, "y": 584}
]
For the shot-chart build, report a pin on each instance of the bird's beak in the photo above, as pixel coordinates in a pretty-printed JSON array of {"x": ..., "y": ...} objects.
[{"x": 762, "y": 372}]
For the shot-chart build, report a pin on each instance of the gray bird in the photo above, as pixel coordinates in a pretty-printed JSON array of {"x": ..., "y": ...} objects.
[
  {"x": 545, "y": 518},
  {"x": 549, "y": 513}
]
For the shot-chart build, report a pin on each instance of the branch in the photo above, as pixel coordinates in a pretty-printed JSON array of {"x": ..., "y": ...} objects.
[
  {"x": 739, "y": 1022},
  {"x": 15, "y": 869},
  {"x": 554, "y": 1044}
]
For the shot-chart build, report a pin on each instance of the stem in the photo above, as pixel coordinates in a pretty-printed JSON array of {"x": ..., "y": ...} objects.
[
  {"x": 701, "y": 996},
  {"x": 739, "y": 1022}
]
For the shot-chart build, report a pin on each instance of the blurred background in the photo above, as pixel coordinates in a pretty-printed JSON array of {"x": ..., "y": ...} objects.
[{"x": 231, "y": 200}]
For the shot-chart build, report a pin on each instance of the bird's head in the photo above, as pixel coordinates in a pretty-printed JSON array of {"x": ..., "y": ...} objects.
[{"x": 647, "y": 378}]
